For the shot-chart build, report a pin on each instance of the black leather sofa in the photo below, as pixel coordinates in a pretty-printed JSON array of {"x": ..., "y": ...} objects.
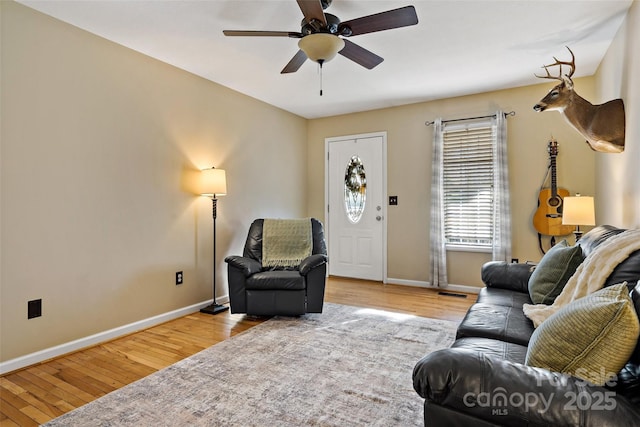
[
  {"x": 481, "y": 380},
  {"x": 262, "y": 291}
]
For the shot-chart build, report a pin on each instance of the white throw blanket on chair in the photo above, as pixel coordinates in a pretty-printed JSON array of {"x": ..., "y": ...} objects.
[{"x": 590, "y": 275}]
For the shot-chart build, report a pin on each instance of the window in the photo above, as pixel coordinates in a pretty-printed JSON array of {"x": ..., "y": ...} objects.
[
  {"x": 468, "y": 158},
  {"x": 355, "y": 189}
]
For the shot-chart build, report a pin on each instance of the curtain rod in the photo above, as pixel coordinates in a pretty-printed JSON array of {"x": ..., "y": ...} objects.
[{"x": 510, "y": 113}]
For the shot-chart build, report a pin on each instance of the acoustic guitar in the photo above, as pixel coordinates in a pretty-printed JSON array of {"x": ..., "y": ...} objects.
[{"x": 547, "y": 219}]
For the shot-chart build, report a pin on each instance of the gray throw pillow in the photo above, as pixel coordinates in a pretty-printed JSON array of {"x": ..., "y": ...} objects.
[{"x": 552, "y": 273}]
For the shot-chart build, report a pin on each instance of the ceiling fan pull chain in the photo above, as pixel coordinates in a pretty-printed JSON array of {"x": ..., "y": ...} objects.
[{"x": 320, "y": 62}]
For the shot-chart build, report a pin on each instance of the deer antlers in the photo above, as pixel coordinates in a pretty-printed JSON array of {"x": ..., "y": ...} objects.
[{"x": 571, "y": 64}]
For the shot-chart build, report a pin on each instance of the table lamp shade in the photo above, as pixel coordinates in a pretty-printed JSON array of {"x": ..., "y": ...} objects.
[
  {"x": 578, "y": 210},
  {"x": 214, "y": 182}
]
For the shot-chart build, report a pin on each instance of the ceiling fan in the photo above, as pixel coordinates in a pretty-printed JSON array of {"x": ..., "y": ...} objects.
[{"x": 321, "y": 34}]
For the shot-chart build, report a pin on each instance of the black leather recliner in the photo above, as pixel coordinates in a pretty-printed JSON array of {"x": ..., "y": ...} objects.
[{"x": 260, "y": 291}]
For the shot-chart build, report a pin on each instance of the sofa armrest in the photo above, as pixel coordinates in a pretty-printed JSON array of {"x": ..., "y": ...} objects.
[
  {"x": 248, "y": 266},
  {"x": 511, "y": 394},
  {"x": 311, "y": 262},
  {"x": 500, "y": 274}
]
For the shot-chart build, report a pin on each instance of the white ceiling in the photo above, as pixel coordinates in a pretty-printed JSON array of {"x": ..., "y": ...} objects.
[{"x": 457, "y": 48}]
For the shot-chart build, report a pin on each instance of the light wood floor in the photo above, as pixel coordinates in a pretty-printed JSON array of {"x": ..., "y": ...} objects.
[{"x": 39, "y": 393}]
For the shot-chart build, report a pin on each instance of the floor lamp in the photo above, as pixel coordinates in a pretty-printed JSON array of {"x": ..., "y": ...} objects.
[
  {"x": 214, "y": 183},
  {"x": 578, "y": 210}
]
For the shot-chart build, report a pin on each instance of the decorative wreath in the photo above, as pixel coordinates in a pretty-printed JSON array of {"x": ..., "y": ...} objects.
[{"x": 354, "y": 177}]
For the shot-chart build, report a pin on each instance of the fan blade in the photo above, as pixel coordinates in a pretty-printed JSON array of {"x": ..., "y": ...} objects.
[
  {"x": 312, "y": 9},
  {"x": 291, "y": 34},
  {"x": 295, "y": 63},
  {"x": 388, "y": 20},
  {"x": 360, "y": 55}
]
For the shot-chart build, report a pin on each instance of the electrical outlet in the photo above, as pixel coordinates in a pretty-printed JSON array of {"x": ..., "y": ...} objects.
[
  {"x": 34, "y": 308},
  {"x": 514, "y": 260},
  {"x": 179, "y": 277},
  {"x": 393, "y": 200}
]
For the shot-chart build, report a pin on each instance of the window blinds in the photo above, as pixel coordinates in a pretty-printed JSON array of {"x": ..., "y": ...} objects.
[{"x": 468, "y": 169}]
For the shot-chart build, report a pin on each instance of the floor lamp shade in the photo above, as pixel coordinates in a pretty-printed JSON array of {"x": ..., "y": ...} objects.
[{"x": 213, "y": 183}]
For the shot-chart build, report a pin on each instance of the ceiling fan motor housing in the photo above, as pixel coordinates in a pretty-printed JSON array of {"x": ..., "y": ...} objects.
[
  {"x": 325, "y": 4},
  {"x": 315, "y": 26}
]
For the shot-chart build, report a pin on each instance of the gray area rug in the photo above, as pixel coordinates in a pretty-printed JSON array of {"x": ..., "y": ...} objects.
[{"x": 348, "y": 366}]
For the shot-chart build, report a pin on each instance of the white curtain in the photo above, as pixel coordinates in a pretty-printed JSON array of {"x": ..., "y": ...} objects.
[
  {"x": 502, "y": 205},
  {"x": 438, "y": 253}
]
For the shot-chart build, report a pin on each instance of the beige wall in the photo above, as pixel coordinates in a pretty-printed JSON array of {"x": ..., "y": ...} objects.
[
  {"x": 98, "y": 143},
  {"x": 409, "y": 171},
  {"x": 618, "y": 175},
  {"x": 97, "y": 146}
]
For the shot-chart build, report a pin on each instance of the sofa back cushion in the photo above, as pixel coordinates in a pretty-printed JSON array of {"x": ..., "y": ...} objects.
[
  {"x": 628, "y": 381},
  {"x": 628, "y": 270},
  {"x": 597, "y": 235}
]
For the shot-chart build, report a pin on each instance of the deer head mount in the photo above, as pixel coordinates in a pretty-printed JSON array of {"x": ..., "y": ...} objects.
[{"x": 602, "y": 125}]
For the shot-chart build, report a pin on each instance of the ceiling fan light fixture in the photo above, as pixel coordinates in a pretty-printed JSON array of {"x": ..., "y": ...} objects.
[{"x": 321, "y": 47}]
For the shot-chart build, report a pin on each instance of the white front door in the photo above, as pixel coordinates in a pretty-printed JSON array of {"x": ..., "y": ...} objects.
[{"x": 356, "y": 192}]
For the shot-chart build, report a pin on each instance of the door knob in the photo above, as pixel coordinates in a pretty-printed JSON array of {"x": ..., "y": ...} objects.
[{"x": 378, "y": 218}]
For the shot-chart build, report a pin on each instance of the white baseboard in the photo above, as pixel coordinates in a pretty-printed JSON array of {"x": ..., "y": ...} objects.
[
  {"x": 69, "y": 347},
  {"x": 421, "y": 284}
]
